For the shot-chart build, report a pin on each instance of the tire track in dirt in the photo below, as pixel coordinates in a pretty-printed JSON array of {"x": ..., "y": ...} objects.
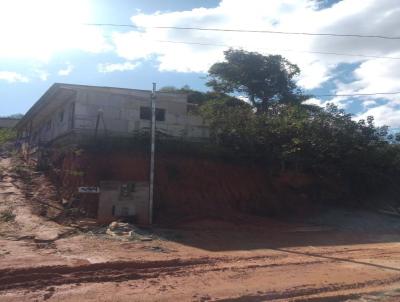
[
  {"x": 35, "y": 278},
  {"x": 305, "y": 294},
  {"x": 44, "y": 276},
  {"x": 40, "y": 277}
]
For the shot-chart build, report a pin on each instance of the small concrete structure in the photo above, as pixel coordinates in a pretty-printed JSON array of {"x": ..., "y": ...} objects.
[
  {"x": 8, "y": 122},
  {"x": 127, "y": 200},
  {"x": 92, "y": 111}
]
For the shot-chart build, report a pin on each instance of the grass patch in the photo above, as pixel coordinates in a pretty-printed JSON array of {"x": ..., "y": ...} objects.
[{"x": 6, "y": 135}]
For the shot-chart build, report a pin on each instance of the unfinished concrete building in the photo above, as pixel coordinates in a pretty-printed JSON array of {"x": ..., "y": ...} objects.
[
  {"x": 90, "y": 110},
  {"x": 67, "y": 113}
]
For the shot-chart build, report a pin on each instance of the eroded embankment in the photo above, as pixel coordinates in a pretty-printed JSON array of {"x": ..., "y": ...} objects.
[{"x": 189, "y": 185}]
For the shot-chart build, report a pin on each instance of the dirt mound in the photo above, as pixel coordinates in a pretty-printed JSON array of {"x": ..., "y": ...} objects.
[{"x": 32, "y": 202}]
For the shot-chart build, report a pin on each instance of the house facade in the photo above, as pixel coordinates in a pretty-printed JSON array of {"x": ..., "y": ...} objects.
[{"x": 92, "y": 110}]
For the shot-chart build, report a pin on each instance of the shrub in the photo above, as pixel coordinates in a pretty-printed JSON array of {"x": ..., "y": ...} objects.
[{"x": 6, "y": 135}]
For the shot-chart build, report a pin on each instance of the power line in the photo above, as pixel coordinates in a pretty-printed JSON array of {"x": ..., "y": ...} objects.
[
  {"x": 274, "y": 49},
  {"x": 313, "y": 52},
  {"x": 247, "y": 31},
  {"x": 358, "y": 94},
  {"x": 285, "y": 50}
]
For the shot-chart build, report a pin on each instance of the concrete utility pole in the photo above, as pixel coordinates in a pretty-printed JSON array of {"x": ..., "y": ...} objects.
[{"x": 152, "y": 149}]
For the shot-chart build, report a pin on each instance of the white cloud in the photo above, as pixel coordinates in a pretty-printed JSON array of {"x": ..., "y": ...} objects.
[
  {"x": 314, "y": 75},
  {"x": 369, "y": 103},
  {"x": 67, "y": 70},
  {"x": 368, "y": 17},
  {"x": 388, "y": 114},
  {"x": 276, "y": 15},
  {"x": 375, "y": 75},
  {"x": 44, "y": 27},
  {"x": 12, "y": 77},
  {"x": 314, "y": 101},
  {"x": 42, "y": 74},
  {"x": 112, "y": 67},
  {"x": 32, "y": 37}
]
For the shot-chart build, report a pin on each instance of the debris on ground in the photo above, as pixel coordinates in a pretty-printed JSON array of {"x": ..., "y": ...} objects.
[{"x": 128, "y": 231}]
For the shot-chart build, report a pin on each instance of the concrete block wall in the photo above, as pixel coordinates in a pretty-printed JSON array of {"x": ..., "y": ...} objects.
[
  {"x": 52, "y": 124},
  {"x": 121, "y": 113},
  {"x": 113, "y": 206},
  {"x": 66, "y": 107}
]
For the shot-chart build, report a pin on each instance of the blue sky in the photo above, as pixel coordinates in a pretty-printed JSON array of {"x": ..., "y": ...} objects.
[
  {"x": 17, "y": 97},
  {"x": 47, "y": 43}
]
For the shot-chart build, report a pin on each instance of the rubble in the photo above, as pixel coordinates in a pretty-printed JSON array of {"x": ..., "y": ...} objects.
[{"x": 128, "y": 231}]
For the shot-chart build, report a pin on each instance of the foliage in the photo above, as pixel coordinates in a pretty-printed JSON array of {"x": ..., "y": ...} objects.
[
  {"x": 16, "y": 116},
  {"x": 6, "y": 135},
  {"x": 194, "y": 97},
  {"x": 324, "y": 142},
  {"x": 276, "y": 130},
  {"x": 265, "y": 80}
]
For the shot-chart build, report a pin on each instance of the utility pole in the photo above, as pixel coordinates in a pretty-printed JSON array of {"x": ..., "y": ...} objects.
[{"x": 152, "y": 149}]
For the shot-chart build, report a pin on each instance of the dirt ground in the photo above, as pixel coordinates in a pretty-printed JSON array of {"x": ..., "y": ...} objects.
[{"x": 252, "y": 259}]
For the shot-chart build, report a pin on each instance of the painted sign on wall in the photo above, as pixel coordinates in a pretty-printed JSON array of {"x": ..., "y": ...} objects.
[{"x": 93, "y": 190}]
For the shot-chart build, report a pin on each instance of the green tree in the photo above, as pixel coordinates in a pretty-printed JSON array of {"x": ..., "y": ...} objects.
[
  {"x": 194, "y": 97},
  {"x": 265, "y": 80},
  {"x": 276, "y": 130}
]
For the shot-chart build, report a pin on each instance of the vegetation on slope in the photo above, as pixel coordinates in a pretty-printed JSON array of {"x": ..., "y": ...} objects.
[
  {"x": 6, "y": 135},
  {"x": 275, "y": 128}
]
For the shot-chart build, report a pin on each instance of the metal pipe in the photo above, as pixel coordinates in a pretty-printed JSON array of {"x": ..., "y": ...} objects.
[{"x": 152, "y": 149}]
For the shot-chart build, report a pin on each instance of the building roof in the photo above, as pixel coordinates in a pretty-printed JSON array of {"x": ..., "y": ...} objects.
[{"x": 48, "y": 96}]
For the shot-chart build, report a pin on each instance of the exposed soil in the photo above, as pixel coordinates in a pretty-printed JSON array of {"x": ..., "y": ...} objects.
[
  {"x": 248, "y": 259},
  {"x": 187, "y": 185}
]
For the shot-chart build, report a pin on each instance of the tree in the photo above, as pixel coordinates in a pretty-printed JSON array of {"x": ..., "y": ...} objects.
[
  {"x": 230, "y": 120},
  {"x": 265, "y": 80},
  {"x": 13, "y": 116},
  {"x": 194, "y": 97},
  {"x": 356, "y": 159},
  {"x": 184, "y": 88},
  {"x": 327, "y": 143}
]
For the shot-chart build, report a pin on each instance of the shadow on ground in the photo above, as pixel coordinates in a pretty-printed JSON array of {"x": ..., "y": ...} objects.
[{"x": 336, "y": 227}]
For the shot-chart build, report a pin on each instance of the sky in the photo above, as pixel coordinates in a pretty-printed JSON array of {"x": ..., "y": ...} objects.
[{"x": 47, "y": 41}]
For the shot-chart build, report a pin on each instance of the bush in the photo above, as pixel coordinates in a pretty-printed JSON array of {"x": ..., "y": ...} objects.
[
  {"x": 326, "y": 143},
  {"x": 6, "y": 135}
]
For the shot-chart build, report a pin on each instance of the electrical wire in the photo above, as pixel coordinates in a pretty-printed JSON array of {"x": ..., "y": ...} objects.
[
  {"x": 357, "y": 94},
  {"x": 288, "y": 50},
  {"x": 276, "y": 49},
  {"x": 284, "y": 50},
  {"x": 247, "y": 31}
]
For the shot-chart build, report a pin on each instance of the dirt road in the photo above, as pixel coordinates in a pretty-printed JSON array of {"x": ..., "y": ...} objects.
[{"x": 254, "y": 260}]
